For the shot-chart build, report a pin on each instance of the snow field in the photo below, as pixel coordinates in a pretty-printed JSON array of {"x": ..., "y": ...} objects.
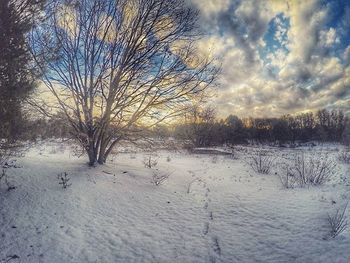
[{"x": 210, "y": 209}]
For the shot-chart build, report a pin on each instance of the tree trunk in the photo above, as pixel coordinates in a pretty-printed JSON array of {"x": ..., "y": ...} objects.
[
  {"x": 92, "y": 153},
  {"x": 92, "y": 157},
  {"x": 106, "y": 149},
  {"x": 103, "y": 153},
  {"x": 102, "y": 157}
]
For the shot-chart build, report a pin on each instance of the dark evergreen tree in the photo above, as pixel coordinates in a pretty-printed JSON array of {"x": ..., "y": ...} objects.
[{"x": 17, "y": 74}]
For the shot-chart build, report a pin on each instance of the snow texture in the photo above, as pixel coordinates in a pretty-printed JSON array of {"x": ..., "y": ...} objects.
[{"x": 212, "y": 208}]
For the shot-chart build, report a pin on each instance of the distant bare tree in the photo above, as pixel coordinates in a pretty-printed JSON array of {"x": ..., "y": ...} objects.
[
  {"x": 117, "y": 65},
  {"x": 198, "y": 126}
]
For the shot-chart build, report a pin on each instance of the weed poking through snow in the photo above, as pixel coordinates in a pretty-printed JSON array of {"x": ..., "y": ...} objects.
[
  {"x": 214, "y": 159},
  {"x": 150, "y": 161},
  {"x": 344, "y": 157},
  {"x": 4, "y": 178},
  {"x": 338, "y": 221},
  {"x": 64, "y": 180},
  {"x": 288, "y": 180},
  {"x": 158, "y": 178}
]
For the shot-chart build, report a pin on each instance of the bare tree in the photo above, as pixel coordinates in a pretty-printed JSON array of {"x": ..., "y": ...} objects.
[
  {"x": 119, "y": 65},
  {"x": 197, "y": 127}
]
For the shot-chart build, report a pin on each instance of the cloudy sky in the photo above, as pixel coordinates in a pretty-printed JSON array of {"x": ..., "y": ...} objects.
[{"x": 279, "y": 56}]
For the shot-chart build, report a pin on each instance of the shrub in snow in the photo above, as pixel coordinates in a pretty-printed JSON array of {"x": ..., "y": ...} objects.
[
  {"x": 233, "y": 156},
  {"x": 337, "y": 222},
  {"x": 344, "y": 157},
  {"x": 261, "y": 161},
  {"x": 150, "y": 161},
  {"x": 288, "y": 180},
  {"x": 190, "y": 184},
  {"x": 158, "y": 178},
  {"x": 53, "y": 150},
  {"x": 63, "y": 180},
  {"x": 77, "y": 150},
  {"x": 3, "y": 174},
  {"x": 4, "y": 178},
  {"x": 5, "y": 164},
  {"x": 313, "y": 170},
  {"x": 168, "y": 159}
]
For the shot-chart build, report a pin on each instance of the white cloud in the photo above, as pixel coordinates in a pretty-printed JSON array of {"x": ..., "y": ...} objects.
[
  {"x": 281, "y": 32},
  {"x": 305, "y": 77},
  {"x": 211, "y": 7},
  {"x": 329, "y": 38}
]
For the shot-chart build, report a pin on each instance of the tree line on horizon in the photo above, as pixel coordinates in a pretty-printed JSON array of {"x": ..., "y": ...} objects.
[
  {"x": 202, "y": 129},
  {"x": 321, "y": 126}
]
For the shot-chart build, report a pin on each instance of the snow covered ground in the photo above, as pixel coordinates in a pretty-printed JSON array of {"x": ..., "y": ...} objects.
[{"x": 210, "y": 209}]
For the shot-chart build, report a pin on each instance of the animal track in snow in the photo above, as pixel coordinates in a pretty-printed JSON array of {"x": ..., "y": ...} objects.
[{"x": 200, "y": 191}]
